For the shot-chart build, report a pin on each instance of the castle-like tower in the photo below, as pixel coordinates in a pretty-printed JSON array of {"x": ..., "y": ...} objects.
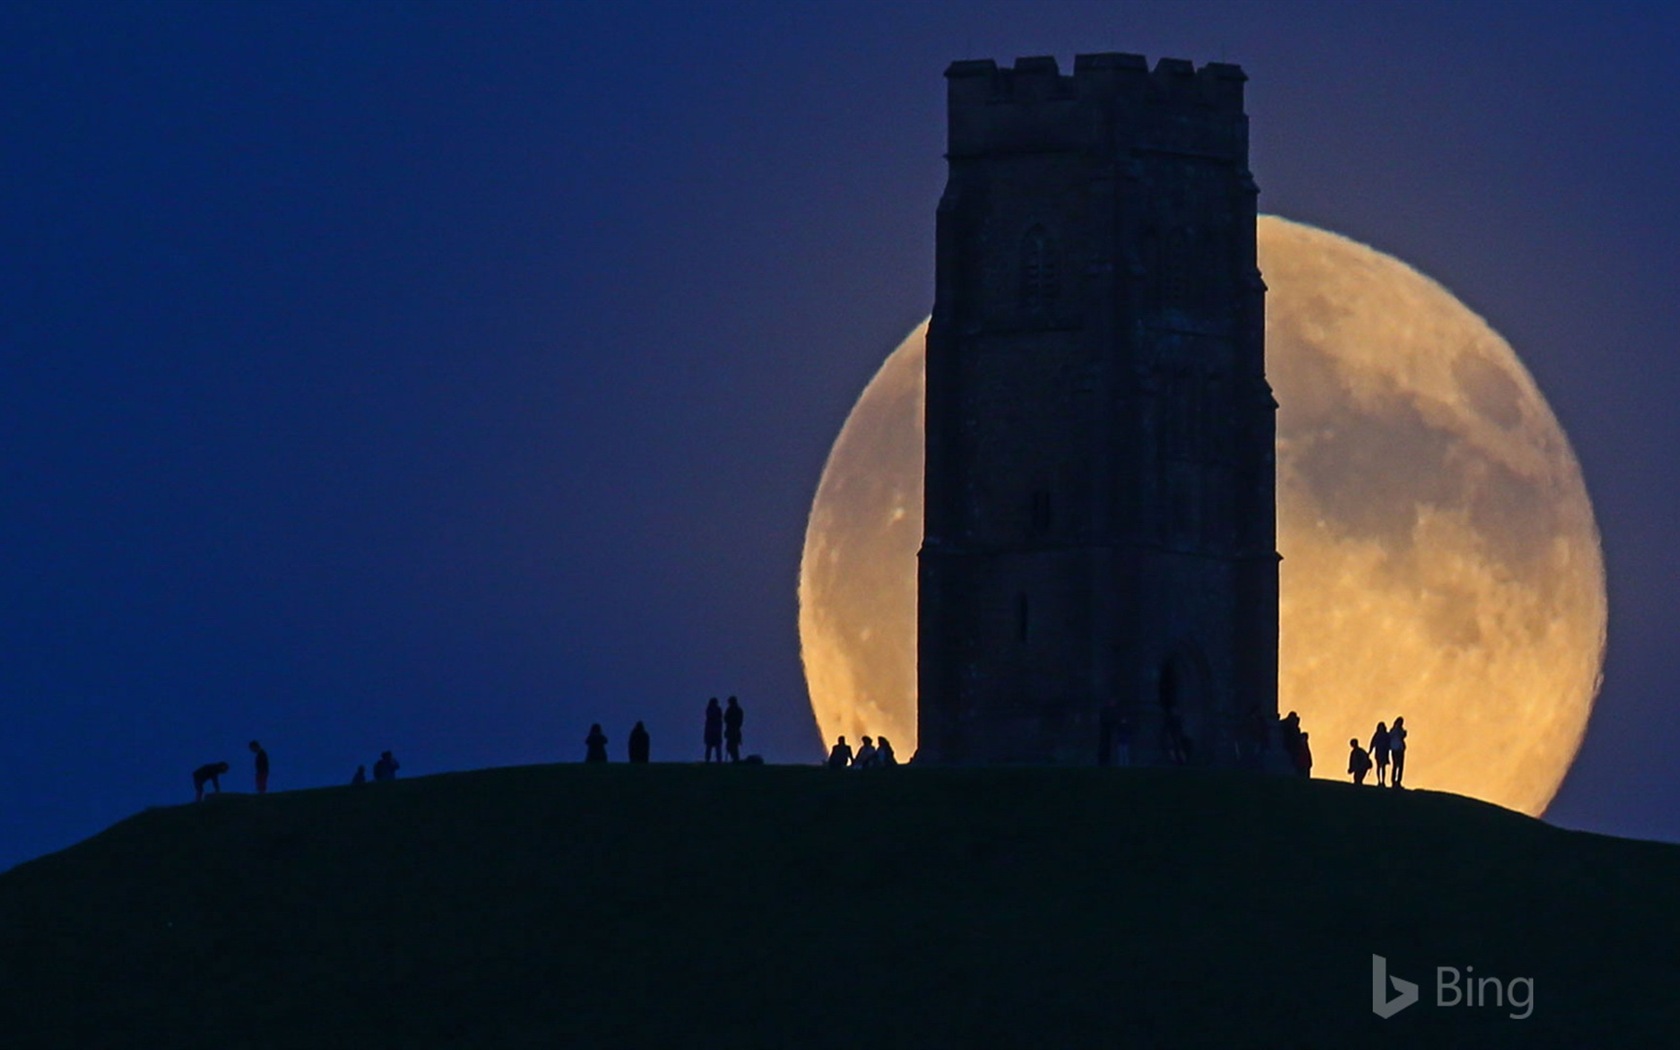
[{"x": 1100, "y": 543}]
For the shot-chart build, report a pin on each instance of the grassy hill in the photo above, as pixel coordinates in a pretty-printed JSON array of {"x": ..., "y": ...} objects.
[{"x": 675, "y": 905}]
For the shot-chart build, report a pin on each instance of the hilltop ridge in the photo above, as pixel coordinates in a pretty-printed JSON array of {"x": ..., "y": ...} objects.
[{"x": 776, "y": 906}]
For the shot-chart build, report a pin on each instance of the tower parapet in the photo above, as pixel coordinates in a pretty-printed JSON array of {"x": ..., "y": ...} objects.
[{"x": 1032, "y": 106}]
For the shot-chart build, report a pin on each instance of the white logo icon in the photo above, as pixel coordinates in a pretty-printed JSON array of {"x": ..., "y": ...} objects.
[{"x": 1381, "y": 1004}]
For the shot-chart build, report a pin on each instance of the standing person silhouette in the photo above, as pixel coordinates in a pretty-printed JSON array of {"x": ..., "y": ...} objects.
[
  {"x": 1289, "y": 735},
  {"x": 595, "y": 745},
  {"x": 1379, "y": 751},
  {"x": 1303, "y": 756},
  {"x": 714, "y": 730},
  {"x": 1397, "y": 748},
  {"x": 262, "y": 767},
  {"x": 386, "y": 768},
  {"x": 639, "y": 743},
  {"x": 733, "y": 716}
]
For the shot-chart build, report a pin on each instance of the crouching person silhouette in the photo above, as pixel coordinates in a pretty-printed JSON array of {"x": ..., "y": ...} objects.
[{"x": 210, "y": 773}]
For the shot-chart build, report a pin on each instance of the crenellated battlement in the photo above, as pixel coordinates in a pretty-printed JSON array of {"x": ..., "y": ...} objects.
[
  {"x": 1032, "y": 106},
  {"x": 1173, "y": 81}
]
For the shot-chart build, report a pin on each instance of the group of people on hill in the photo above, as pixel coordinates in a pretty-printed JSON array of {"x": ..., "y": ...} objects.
[
  {"x": 1252, "y": 740},
  {"x": 595, "y": 744},
  {"x": 210, "y": 774},
  {"x": 722, "y": 734},
  {"x": 723, "y": 730},
  {"x": 1388, "y": 746},
  {"x": 871, "y": 754},
  {"x": 384, "y": 769},
  {"x": 1297, "y": 746}
]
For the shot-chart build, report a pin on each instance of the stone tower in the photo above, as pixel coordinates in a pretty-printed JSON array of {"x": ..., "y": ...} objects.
[{"x": 1100, "y": 534}]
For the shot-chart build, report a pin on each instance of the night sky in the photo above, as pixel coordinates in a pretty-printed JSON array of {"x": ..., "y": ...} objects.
[{"x": 446, "y": 378}]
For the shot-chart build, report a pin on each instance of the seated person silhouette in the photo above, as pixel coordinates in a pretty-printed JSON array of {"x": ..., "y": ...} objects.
[
  {"x": 865, "y": 755},
  {"x": 841, "y": 756},
  {"x": 884, "y": 752}
]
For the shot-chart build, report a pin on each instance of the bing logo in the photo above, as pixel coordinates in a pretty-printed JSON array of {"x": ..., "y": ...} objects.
[{"x": 1452, "y": 988}]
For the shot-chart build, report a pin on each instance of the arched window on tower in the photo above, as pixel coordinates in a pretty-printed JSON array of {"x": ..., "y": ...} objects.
[{"x": 1040, "y": 272}]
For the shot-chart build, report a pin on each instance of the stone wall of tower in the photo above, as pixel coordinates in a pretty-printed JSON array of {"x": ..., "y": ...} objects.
[{"x": 1100, "y": 509}]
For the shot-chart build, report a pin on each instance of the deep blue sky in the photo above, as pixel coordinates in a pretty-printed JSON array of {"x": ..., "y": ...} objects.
[{"x": 445, "y": 378}]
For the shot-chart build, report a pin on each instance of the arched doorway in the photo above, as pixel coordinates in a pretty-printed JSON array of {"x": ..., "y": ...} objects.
[{"x": 1188, "y": 722}]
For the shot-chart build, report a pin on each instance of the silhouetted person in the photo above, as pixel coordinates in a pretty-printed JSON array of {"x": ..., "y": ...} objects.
[
  {"x": 1303, "y": 756},
  {"x": 639, "y": 743},
  {"x": 714, "y": 730},
  {"x": 884, "y": 753},
  {"x": 865, "y": 758},
  {"x": 733, "y": 716},
  {"x": 595, "y": 745},
  {"x": 1397, "y": 749},
  {"x": 1379, "y": 751},
  {"x": 841, "y": 755},
  {"x": 211, "y": 774},
  {"x": 1289, "y": 735},
  {"x": 262, "y": 767},
  {"x": 1359, "y": 763},
  {"x": 386, "y": 768},
  {"x": 361, "y": 775}
]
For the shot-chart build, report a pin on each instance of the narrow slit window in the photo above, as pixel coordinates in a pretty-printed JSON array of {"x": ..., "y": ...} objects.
[{"x": 1040, "y": 281}]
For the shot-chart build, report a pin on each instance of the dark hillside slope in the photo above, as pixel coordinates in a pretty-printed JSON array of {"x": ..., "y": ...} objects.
[{"x": 765, "y": 907}]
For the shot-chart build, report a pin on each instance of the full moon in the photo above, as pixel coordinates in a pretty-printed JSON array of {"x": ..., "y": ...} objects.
[{"x": 1440, "y": 557}]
